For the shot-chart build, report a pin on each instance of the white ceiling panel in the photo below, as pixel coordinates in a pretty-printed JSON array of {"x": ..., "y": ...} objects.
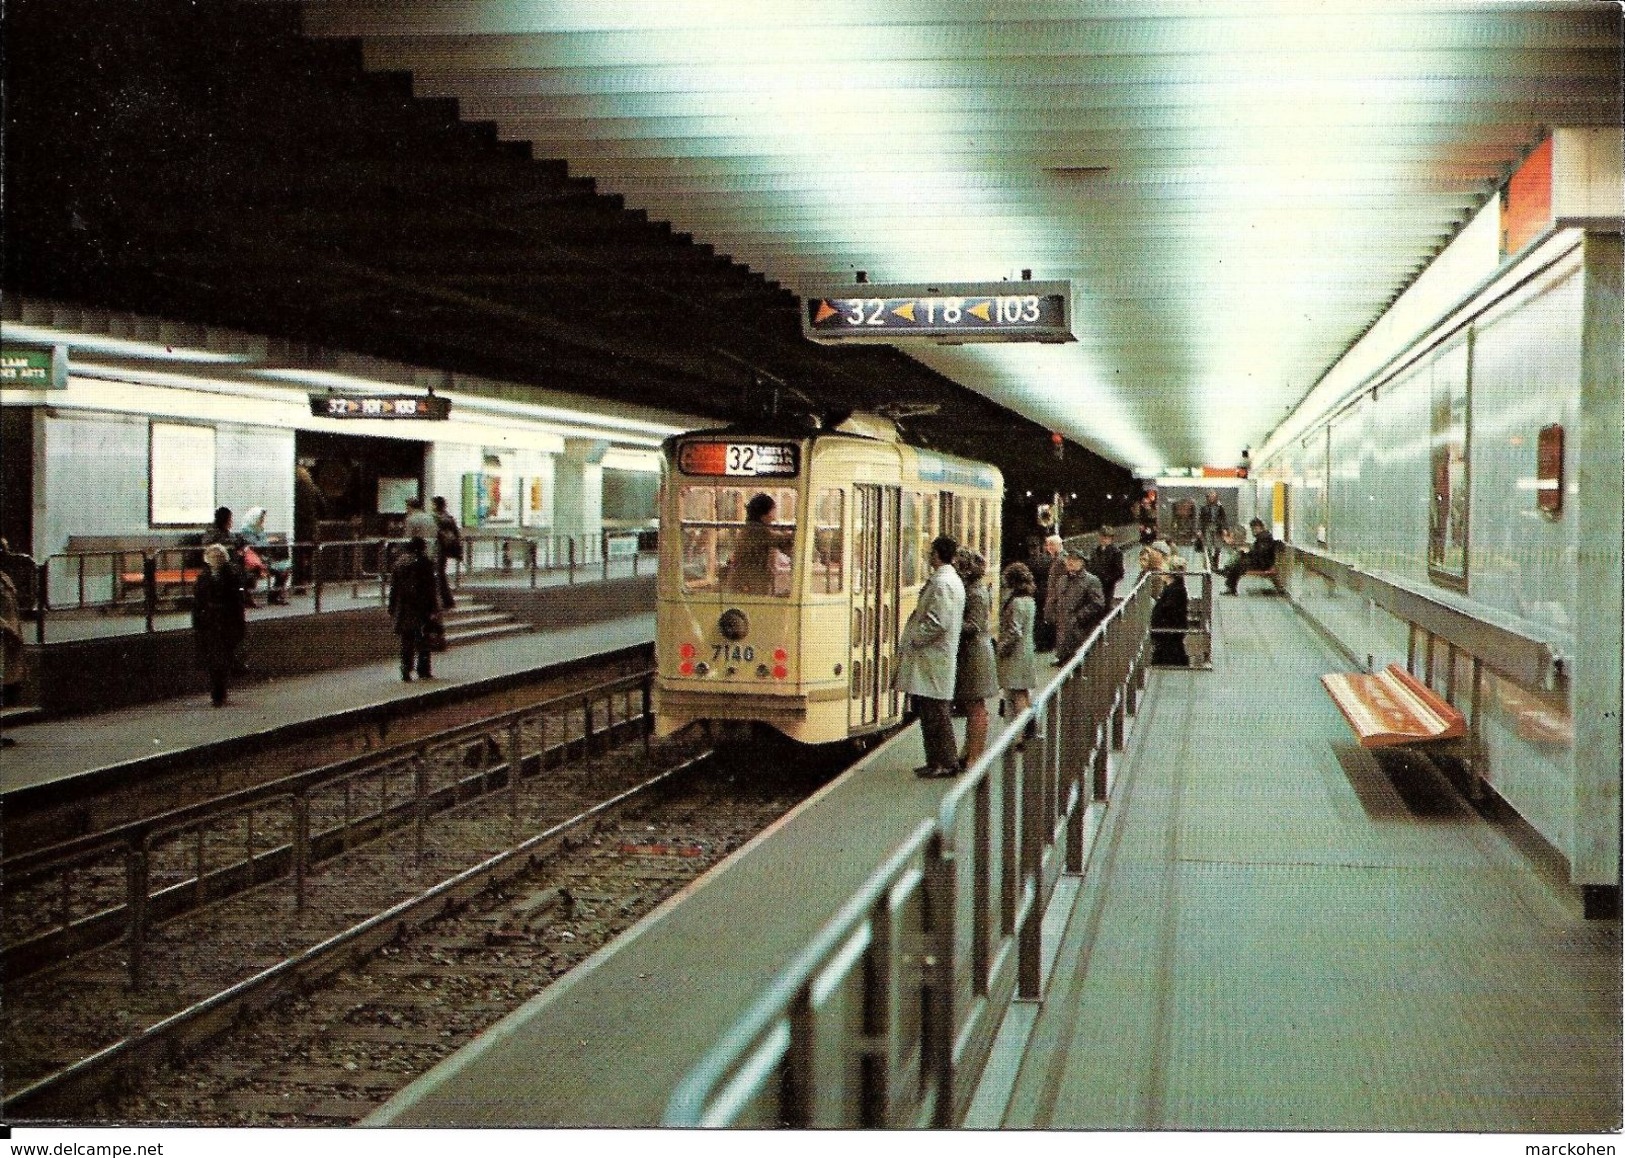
[{"x": 1235, "y": 190}]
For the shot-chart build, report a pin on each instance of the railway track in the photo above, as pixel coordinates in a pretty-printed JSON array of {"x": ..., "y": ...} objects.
[
  {"x": 36, "y": 819},
  {"x": 259, "y": 1012}
]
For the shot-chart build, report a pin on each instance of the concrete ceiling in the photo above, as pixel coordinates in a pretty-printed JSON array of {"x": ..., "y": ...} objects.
[{"x": 1235, "y": 190}]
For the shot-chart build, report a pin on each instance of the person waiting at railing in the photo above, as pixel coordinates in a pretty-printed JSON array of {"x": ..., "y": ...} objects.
[
  {"x": 217, "y": 618},
  {"x": 420, "y": 524},
  {"x": 448, "y": 544},
  {"x": 976, "y": 671},
  {"x": 1106, "y": 562},
  {"x": 1170, "y": 614},
  {"x": 1018, "y": 669},
  {"x": 1080, "y": 603},
  {"x": 263, "y": 559}
]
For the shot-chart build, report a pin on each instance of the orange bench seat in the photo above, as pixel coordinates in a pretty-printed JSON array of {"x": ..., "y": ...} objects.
[
  {"x": 1393, "y": 707},
  {"x": 165, "y": 577}
]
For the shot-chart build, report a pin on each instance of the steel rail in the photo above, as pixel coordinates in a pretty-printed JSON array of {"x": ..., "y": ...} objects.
[{"x": 198, "y": 1023}]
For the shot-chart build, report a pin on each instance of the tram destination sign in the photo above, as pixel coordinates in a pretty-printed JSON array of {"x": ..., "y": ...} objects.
[
  {"x": 417, "y": 406},
  {"x": 740, "y": 459},
  {"x": 1000, "y": 311}
]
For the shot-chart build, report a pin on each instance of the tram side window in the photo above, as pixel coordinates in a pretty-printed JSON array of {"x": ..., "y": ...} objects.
[
  {"x": 910, "y": 528},
  {"x": 829, "y": 542},
  {"x": 725, "y": 548}
]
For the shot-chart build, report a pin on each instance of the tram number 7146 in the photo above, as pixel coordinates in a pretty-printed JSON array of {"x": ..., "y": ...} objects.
[{"x": 734, "y": 653}]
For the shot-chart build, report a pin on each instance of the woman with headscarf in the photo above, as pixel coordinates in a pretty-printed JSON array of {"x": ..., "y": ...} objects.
[
  {"x": 217, "y": 618},
  {"x": 976, "y": 676},
  {"x": 265, "y": 560}
]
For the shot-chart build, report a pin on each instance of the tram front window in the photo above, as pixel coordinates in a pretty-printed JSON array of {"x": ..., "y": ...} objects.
[{"x": 738, "y": 541}]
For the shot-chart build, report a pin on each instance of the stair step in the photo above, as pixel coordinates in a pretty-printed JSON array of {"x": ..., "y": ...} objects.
[
  {"x": 486, "y": 632},
  {"x": 455, "y": 620},
  {"x": 20, "y": 714}
]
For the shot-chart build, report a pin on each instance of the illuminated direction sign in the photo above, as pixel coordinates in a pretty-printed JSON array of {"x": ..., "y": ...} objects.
[
  {"x": 379, "y": 406},
  {"x": 739, "y": 459},
  {"x": 1000, "y": 311}
]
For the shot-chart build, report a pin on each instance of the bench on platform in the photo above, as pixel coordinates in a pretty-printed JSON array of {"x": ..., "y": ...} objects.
[
  {"x": 125, "y": 554},
  {"x": 1270, "y": 574},
  {"x": 1393, "y": 707}
]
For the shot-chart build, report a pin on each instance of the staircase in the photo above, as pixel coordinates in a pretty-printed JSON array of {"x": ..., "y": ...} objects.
[{"x": 469, "y": 622}]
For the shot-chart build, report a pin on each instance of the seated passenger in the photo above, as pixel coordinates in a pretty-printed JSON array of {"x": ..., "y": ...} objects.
[
  {"x": 263, "y": 558},
  {"x": 760, "y": 552},
  {"x": 1260, "y": 557}
]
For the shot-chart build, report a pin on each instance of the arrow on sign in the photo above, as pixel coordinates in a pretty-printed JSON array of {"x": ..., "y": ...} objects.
[
  {"x": 825, "y": 310},
  {"x": 983, "y": 310},
  {"x": 905, "y": 311}
]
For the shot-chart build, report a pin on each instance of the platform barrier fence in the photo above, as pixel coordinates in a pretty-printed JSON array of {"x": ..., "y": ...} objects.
[
  {"x": 150, "y": 581},
  {"x": 888, "y": 1015}
]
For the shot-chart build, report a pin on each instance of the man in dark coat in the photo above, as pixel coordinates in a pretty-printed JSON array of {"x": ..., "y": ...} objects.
[
  {"x": 1105, "y": 562},
  {"x": 413, "y": 602},
  {"x": 1259, "y": 557}
]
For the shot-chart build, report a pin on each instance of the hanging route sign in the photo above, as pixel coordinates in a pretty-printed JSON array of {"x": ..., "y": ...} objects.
[{"x": 1000, "y": 311}]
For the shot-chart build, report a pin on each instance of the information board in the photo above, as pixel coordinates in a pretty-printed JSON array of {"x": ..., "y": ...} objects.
[
  {"x": 1001, "y": 311},
  {"x": 430, "y": 407}
]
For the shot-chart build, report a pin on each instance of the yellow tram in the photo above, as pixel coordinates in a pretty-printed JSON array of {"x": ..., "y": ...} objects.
[{"x": 788, "y": 565}]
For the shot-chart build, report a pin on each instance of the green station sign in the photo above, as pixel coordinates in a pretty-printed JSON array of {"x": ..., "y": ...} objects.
[{"x": 34, "y": 367}]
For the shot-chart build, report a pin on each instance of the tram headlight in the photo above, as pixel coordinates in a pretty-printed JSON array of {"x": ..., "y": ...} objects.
[{"x": 733, "y": 624}]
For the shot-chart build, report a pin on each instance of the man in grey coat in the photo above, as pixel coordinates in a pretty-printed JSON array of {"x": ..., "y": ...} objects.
[{"x": 926, "y": 656}]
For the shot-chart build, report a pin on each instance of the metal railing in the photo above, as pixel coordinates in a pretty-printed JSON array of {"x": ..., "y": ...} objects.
[
  {"x": 56, "y": 896},
  {"x": 886, "y": 1018},
  {"x": 152, "y": 579},
  {"x": 540, "y": 554}
]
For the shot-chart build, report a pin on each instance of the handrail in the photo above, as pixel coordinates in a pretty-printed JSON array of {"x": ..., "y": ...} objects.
[
  {"x": 540, "y": 555},
  {"x": 135, "y": 840},
  {"x": 1039, "y": 786},
  {"x": 1514, "y": 647}
]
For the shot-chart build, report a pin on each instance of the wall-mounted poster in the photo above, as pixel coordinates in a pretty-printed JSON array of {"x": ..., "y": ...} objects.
[
  {"x": 181, "y": 458},
  {"x": 393, "y": 493},
  {"x": 532, "y": 512}
]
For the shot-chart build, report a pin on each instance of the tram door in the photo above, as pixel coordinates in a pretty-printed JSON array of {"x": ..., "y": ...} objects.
[{"x": 875, "y": 512}]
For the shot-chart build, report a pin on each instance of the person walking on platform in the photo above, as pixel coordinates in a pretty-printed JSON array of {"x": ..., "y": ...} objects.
[
  {"x": 218, "y": 623},
  {"x": 1212, "y": 522},
  {"x": 1105, "y": 562},
  {"x": 927, "y": 655},
  {"x": 1081, "y": 607},
  {"x": 413, "y": 604},
  {"x": 976, "y": 671},
  {"x": 1259, "y": 557},
  {"x": 1018, "y": 668},
  {"x": 449, "y": 544}
]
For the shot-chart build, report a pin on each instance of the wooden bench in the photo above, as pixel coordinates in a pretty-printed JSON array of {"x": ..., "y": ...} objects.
[
  {"x": 122, "y": 554},
  {"x": 169, "y": 581},
  {"x": 1393, "y": 707},
  {"x": 1269, "y": 574}
]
